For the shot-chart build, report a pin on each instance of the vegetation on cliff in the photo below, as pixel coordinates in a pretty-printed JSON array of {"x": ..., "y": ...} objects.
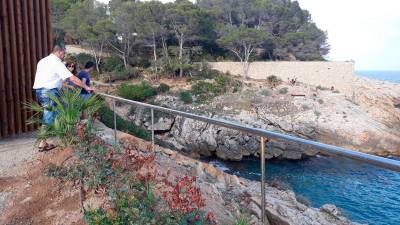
[{"x": 169, "y": 37}]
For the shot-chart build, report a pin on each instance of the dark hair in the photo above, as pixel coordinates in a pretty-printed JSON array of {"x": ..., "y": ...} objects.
[
  {"x": 70, "y": 63},
  {"x": 89, "y": 64}
]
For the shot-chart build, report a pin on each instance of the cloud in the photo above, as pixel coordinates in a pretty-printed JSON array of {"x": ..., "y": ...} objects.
[{"x": 366, "y": 31}]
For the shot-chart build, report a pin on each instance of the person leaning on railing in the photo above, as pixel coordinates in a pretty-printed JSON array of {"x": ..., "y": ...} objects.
[{"x": 50, "y": 73}]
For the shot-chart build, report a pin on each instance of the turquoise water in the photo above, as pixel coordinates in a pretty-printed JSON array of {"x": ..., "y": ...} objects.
[
  {"x": 364, "y": 193},
  {"x": 391, "y": 76}
]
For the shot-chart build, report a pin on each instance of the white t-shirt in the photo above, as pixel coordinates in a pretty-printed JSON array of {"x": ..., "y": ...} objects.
[{"x": 50, "y": 73}]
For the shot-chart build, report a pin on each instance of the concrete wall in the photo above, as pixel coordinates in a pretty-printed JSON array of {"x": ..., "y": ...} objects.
[{"x": 327, "y": 74}]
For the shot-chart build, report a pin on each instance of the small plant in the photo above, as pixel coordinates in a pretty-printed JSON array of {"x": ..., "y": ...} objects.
[
  {"x": 283, "y": 91},
  {"x": 186, "y": 97},
  {"x": 266, "y": 92},
  {"x": 124, "y": 74},
  {"x": 319, "y": 87},
  {"x": 320, "y": 101},
  {"x": 136, "y": 92},
  {"x": 162, "y": 88},
  {"x": 242, "y": 221},
  {"x": 274, "y": 81},
  {"x": 69, "y": 107}
]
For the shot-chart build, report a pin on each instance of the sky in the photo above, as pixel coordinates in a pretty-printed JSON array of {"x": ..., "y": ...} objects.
[{"x": 366, "y": 31}]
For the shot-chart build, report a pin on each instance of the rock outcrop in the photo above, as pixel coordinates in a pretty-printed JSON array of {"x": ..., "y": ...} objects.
[
  {"x": 230, "y": 197},
  {"x": 368, "y": 121}
]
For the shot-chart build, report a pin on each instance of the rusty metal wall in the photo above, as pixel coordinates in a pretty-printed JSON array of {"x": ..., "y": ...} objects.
[{"x": 25, "y": 38}]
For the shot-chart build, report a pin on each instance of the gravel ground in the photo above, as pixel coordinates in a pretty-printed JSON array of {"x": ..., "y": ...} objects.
[{"x": 14, "y": 153}]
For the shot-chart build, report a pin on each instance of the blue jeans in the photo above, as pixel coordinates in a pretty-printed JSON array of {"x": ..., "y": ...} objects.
[{"x": 42, "y": 96}]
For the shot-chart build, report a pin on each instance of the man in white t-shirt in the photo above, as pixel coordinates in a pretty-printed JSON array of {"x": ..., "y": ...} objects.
[{"x": 50, "y": 74}]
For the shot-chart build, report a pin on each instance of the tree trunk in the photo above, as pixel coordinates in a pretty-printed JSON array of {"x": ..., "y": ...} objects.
[
  {"x": 155, "y": 54},
  {"x": 180, "y": 56}
]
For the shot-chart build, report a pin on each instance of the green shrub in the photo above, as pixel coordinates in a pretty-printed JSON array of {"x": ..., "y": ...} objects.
[
  {"x": 136, "y": 92},
  {"x": 205, "y": 73},
  {"x": 162, "y": 88},
  {"x": 319, "y": 87},
  {"x": 82, "y": 58},
  {"x": 284, "y": 90},
  {"x": 274, "y": 81},
  {"x": 124, "y": 74},
  {"x": 107, "y": 117},
  {"x": 112, "y": 64},
  {"x": 242, "y": 221},
  {"x": 202, "y": 87},
  {"x": 186, "y": 97},
  {"x": 266, "y": 92},
  {"x": 69, "y": 108}
]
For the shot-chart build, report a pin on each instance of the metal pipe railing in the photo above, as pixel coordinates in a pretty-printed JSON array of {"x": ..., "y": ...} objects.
[{"x": 263, "y": 134}]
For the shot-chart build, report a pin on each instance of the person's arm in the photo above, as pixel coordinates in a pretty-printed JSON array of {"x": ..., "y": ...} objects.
[{"x": 79, "y": 83}]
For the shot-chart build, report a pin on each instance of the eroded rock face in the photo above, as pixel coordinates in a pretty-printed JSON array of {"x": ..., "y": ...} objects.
[
  {"x": 230, "y": 197},
  {"x": 368, "y": 121}
]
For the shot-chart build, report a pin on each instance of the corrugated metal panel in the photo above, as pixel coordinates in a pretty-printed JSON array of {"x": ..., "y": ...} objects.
[{"x": 25, "y": 38}]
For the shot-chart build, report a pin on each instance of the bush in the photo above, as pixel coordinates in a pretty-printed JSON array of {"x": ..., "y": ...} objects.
[
  {"x": 274, "y": 81},
  {"x": 112, "y": 64},
  {"x": 162, "y": 88},
  {"x": 107, "y": 117},
  {"x": 266, "y": 92},
  {"x": 125, "y": 74},
  {"x": 202, "y": 87},
  {"x": 82, "y": 58},
  {"x": 186, "y": 97},
  {"x": 319, "y": 87},
  {"x": 284, "y": 90},
  {"x": 242, "y": 221},
  {"x": 205, "y": 73},
  {"x": 136, "y": 92}
]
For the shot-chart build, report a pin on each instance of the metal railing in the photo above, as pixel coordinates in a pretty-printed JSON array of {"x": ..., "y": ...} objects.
[{"x": 263, "y": 134}]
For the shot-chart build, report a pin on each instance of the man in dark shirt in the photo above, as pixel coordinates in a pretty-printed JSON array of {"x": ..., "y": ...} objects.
[{"x": 84, "y": 76}]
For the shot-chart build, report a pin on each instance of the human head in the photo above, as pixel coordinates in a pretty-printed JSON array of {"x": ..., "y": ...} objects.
[
  {"x": 59, "y": 51},
  {"x": 89, "y": 65},
  {"x": 71, "y": 66}
]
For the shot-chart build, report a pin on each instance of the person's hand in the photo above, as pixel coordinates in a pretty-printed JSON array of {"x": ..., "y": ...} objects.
[{"x": 90, "y": 89}]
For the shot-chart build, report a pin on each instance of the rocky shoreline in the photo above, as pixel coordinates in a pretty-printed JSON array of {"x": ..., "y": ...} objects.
[
  {"x": 229, "y": 196},
  {"x": 368, "y": 121}
]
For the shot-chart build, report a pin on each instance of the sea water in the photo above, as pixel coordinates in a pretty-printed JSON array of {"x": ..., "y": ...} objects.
[
  {"x": 391, "y": 76},
  {"x": 364, "y": 193}
]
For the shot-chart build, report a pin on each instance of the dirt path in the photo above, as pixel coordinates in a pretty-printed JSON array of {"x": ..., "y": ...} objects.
[{"x": 27, "y": 196}]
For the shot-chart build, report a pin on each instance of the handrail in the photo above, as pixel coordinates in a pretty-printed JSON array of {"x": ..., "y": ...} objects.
[{"x": 325, "y": 148}]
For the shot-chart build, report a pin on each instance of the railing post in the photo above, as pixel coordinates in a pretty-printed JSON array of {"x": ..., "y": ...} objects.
[
  {"x": 262, "y": 160},
  {"x": 152, "y": 129},
  {"x": 115, "y": 124}
]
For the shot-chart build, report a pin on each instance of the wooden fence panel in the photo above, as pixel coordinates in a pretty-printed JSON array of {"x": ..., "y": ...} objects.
[{"x": 25, "y": 38}]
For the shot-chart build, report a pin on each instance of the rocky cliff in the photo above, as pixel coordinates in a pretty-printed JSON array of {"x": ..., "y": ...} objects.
[
  {"x": 367, "y": 121},
  {"x": 230, "y": 197}
]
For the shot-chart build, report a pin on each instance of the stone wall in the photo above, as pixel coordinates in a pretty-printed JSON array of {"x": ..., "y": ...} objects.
[{"x": 326, "y": 74}]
